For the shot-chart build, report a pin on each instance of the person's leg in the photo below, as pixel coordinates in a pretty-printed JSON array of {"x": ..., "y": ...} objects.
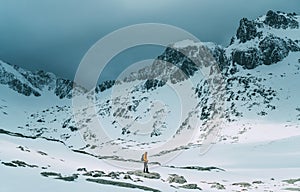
[
  {"x": 147, "y": 171},
  {"x": 145, "y": 165}
]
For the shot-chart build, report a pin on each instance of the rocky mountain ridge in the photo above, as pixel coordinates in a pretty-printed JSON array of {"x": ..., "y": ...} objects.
[
  {"x": 254, "y": 44},
  {"x": 245, "y": 87}
]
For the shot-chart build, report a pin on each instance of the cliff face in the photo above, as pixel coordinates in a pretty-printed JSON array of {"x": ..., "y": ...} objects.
[{"x": 266, "y": 40}]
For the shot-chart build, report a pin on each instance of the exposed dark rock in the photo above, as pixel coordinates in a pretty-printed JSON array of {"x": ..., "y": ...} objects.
[
  {"x": 114, "y": 175},
  {"x": 104, "y": 86},
  {"x": 127, "y": 177},
  {"x": 280, "y": 20},
  {"x": 201, "y": 168},
  {"x": 179, "y": 59},
  {"x": 22, "y": 88},
  {"x": 174, "y": 178},
  {"x": 153, "y": 83},
  {"x": 220, "y": 57},
  {"x": 157, "y": 131},
  {"x": 9, "y": 164},
  {"x": 291, "y": 181},
  {"x": 95, "y": 174},
  {"x": 249, "y": 58},
  {"x": 190, "y": 186},
  {"x": 246, "y": 31},
  {"x": 73, "y": 128},
  {"x": 40, "y": 121},
  {"x": 242, "y": 184},
  {"x": 218, "y": 186},
  {"x": 122, "y": 184},
  {"x": 66, "y": 122},
  {"x": 50, "y": 174},
  {"x": 151, "y": 175},
  {"x": 23, "y": 164},
  {"x": 273, "y": 49},
  {"x": 257, "y": 182},
  {"x": 291, "y": 189},
  {"x": 68, "y": 178},
  {"x": 39, "y": 79},
  {"x": 42, "y": 153},
  {"x": 23, "y": 148},
  {"x": 82, "y": 169},
  {"x": 59, "y": 176},
  {"x": 63, "y": 88}
]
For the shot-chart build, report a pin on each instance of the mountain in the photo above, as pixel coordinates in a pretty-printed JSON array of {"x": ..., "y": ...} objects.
[
  {"x": 248, "y": 89},
  {"x": 264, "y": 40},
  {"x": 34, "y": 83},
  {"x": 192, "y": 96}
]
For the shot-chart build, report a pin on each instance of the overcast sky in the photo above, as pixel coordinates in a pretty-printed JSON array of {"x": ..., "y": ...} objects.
[{"x": 53, "y": 35}]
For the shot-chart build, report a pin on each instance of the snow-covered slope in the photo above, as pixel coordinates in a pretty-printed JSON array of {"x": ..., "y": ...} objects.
[{"x": 28, "y": 83}]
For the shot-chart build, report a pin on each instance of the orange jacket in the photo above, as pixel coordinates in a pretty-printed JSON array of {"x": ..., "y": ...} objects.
[{"x": 145, "y": 157}]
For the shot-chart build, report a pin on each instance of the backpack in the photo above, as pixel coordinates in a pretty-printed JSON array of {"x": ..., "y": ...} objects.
[{"x": 142, "y": 159}]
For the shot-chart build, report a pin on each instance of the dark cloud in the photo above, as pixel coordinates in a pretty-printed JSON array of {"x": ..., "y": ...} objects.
[{"x": 53, "y": 35}]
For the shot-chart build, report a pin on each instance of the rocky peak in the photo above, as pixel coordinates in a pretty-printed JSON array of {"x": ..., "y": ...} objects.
[
  {"x": 35, "y": 83},
  {"x": 274, "y": 49},
  {"x": 256, "y": 42},
  {"x": 40, "y": 79},
  {"x": 10, "y": 77},
  {"x": 246, "y": 31},
  {"x": 105, "y": 85},
  {"x": 180, "y": 61},
  {"x": 172, "y": 65},
  {"x": 270, "y": 49},
  {"x": 248, "y": 58},
  {"x": 281, "y": 20},
  {"x": 179, "y": 58}
]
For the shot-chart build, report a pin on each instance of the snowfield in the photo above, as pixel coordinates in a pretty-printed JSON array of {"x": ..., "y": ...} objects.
[{"x": 252, "y": 167}]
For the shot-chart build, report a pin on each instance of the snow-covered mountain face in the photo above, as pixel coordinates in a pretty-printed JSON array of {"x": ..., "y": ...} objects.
[
  {"x": 28, "y": 83},
  {"x": 193, "y": 93},
  {"x": 256, "y": 85}
]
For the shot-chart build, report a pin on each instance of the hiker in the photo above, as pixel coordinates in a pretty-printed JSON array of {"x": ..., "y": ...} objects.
[{"x": 145, "y": 160}]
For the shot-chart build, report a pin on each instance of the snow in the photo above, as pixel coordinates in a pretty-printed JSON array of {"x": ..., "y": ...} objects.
[
  {"x": 259, "y": 161},
  {"x": 292, "y": 34},
  {"x": 30, "y": 180},
  {"x": 258, "y": 131},
  {"x": 283, "y": 78},
  {"x": 59, "y": 159},
  {"x": 185, "y": 43},
  {"x": 253, "y": 43}
]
